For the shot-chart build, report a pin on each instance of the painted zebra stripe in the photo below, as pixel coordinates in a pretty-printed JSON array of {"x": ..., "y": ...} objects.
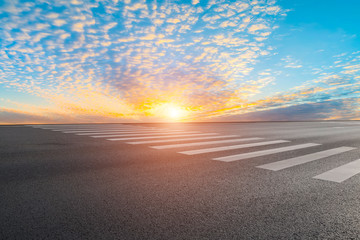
[
  {"x": 182, "y": 139},
  {"x": 225, "y": 148},
  {"x": 341, "y": 173},
  {"x": 276, "y": 166},
  {"x": 141, "y": 134},
  {"x": 172, "y": 136},
  {"x": 205, "y": 143},
  {"x": 264, "y": 152},
  {"x": 130, "y": 131}
]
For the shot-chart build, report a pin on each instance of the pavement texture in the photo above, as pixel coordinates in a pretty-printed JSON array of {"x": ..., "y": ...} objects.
[{"x": 56, "y": 185}]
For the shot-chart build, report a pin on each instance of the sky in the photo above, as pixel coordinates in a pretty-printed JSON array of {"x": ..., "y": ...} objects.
[{"x": 85, "y": 61}]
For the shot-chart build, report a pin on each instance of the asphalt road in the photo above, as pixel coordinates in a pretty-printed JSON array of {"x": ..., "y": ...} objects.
[{"x": 226, "y": 181}]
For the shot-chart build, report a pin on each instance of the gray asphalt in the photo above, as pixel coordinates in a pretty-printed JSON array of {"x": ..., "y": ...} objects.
[{"x": 55, "y": 185}]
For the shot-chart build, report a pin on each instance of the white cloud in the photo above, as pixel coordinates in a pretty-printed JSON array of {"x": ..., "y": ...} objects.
[
  {"x": 39, "y": 36},
  {"x": 78, "y": 27},
  {"x": 64, "y": 35},
  {"x": 156, "y": 48},
  {"x": 59, "y": 22},
  {"x": 109, "y": 26},
  {"x": 76, "y": 2},
  {"x": 41, "y": 26},
  {"x": 256, "y": 27},
  {"x": 291, "y": 65},
  {"x": 52, "y": 15}
]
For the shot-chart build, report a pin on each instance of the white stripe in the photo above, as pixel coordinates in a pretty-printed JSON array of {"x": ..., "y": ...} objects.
[
  {"x": 172, "y": 136},
  {"x": 125, "y": 131},
  {"x": 276, "y": 166},
  {"x": 99, "y": 129},
  {"x": 86, "y": 126},
  {"x": 104, "y": 131},
  {"x": 181, "y": 139},
  {"x": 140, "y": 134},
  {"x": 109, "y": 132},
  {"x": 90, "y": 129},
  {"x": 225, "y": 148},
  {"x": 72, "y": 125},
  {"x": 341, "y": 173},
  {"x": 117, "y": 129},
  {"x": 264, "y": 152},
  {"x": 204, "y": 143}
]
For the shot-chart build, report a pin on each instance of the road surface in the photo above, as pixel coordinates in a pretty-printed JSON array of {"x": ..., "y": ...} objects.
[{"x": 275, "y": 180}]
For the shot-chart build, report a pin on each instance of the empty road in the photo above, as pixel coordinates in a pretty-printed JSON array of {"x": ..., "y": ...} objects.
[{"x": 266, "y": 180}]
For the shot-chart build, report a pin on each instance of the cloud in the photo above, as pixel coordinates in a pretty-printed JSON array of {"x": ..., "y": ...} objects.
[
  {"x": 342, "y": 109},
  {"x": 173, "y": 20},
  {"x": 52, "y": 15},
  {"x": 291, "y": 63},
  {"x": 12, "y": 116},
  {"x": 78, "y": 27},
  {"x": 109, "y": 26},
  {"x": 127, "y": 57},
  {"x": 256, "y": 27},
  {"x": 11, "y": 6},
  {"x": 39, "y": 36},
  {"x": 195, "y": 2},
  {"x": 59, "y": 22}
]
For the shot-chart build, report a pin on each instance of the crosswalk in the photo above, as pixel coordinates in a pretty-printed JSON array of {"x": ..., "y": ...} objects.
[
  {"x": 228, "y": 146},
  {"x": 276, "y": 166},
  {"x": 242, "y": 156},
  {"x": 231, "y": 147}
]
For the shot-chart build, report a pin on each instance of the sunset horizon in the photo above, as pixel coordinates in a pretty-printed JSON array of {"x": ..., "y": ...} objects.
[{"x": 102, "y": 61}]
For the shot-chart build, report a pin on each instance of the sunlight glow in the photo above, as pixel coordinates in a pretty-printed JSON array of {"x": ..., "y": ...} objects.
[
  {"x": 169, "y": 111},
  {"x": 175, "y": 113}
]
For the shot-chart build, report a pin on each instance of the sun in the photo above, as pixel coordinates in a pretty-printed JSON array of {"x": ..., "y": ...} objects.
[
  {"x": 170, "y": 111},
  {"x": 174, "y": 112}
]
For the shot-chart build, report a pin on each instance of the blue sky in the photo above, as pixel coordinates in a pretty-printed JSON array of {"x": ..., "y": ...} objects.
[{"x": 133, "y": 61}]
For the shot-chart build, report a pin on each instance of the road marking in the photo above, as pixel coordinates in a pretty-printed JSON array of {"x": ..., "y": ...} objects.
[
  {"x": 225, "y": 148},
  {"x": 128, "y": 131},
  {"x": 276, "y": 166},
  {"x": 264, "y": 152},
  {"x": 94, "y": 128},
  {"x": 341, "y": 173},
  {"x": 204, "y": 143},
  {"x": 86, "y": 128},
  {"x": 103, "y": 130},
  {"x": 75, "y": 125},
  {"x": 140, "y": 134},
  {"x": 90, "y": 129},
  {"x": 181, "y": 139},
  {"x": 172, "y": 136}
]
